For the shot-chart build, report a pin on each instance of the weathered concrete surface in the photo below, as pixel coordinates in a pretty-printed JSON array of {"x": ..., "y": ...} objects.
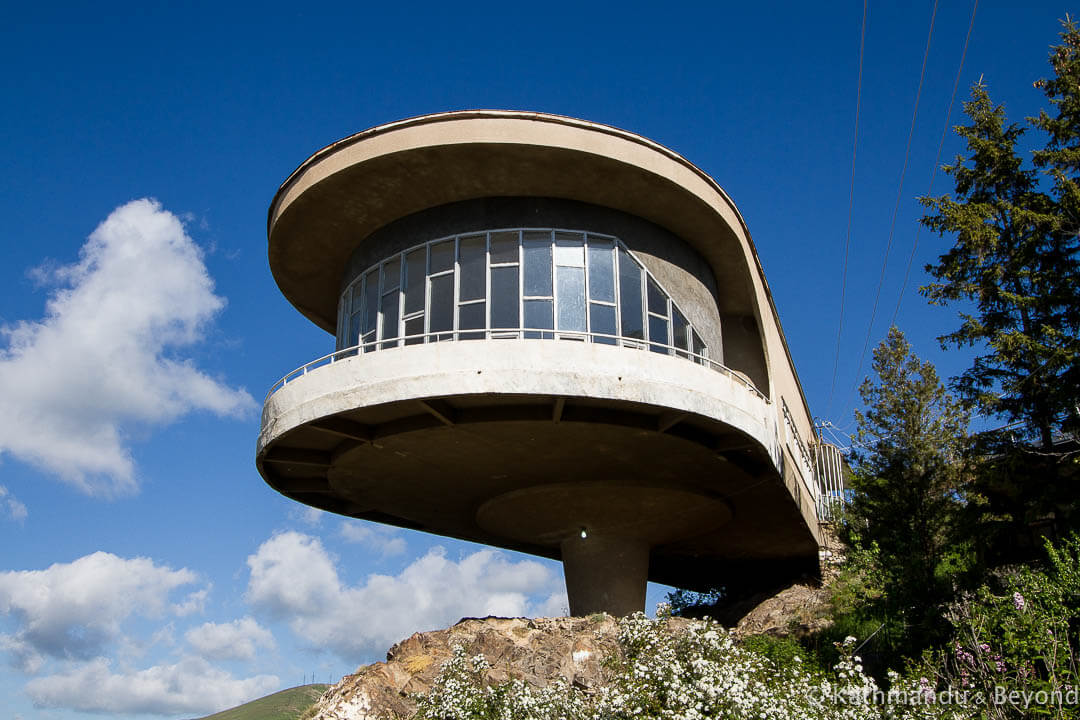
[
  {"x": 347, "y": 191},
  {"x": 426, "y": 436}
]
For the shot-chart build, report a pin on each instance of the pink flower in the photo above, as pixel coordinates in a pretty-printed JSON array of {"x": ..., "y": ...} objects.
[{"x": 1018, "y": 601}]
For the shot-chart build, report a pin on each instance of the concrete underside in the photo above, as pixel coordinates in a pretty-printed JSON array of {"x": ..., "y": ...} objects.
[{"x": 528, "y": 470}]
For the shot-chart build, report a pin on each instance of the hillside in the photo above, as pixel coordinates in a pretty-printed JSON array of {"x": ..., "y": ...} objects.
[{"x": 285, "y": 705}]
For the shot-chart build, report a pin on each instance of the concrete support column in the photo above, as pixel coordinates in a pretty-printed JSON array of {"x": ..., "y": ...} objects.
[{"x": 605, "y": 574}]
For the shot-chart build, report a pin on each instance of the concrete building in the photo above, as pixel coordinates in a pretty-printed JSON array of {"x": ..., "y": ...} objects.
[{"x": 553, "y": 336}]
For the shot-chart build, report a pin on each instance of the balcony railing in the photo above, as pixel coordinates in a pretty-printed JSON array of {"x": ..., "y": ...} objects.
[{"x": 515, "y": 334}]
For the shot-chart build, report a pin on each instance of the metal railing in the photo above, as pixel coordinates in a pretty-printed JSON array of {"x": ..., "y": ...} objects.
[
  {"x": 829, "y": 469},
  {"x": 512, "y": 334}
]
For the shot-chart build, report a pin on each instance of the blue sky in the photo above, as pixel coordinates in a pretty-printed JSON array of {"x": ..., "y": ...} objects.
[{"x": 146, "y": 569}]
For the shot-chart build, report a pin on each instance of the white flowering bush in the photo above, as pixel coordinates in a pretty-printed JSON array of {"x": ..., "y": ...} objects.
[{"x": 687, "y": 674}]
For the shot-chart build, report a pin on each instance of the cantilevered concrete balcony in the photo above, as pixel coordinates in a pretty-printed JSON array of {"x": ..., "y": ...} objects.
[{"x": 553, "y": 336}]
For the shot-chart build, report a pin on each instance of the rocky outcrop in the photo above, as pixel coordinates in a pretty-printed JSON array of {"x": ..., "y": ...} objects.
[
  {"x": 537, "y": 652},
  {"x": 799, "y": 610}
]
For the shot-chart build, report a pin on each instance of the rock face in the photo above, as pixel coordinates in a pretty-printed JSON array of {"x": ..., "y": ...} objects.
[{"x": 536, "y": 651}]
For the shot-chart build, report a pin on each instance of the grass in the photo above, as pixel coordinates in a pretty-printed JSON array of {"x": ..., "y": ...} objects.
[{"x": 285, "y": 705}]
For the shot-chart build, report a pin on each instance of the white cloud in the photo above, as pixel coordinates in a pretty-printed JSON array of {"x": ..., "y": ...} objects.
[
  {"x": 103, "y": 361},
  {"x": 237, "y": 640},
  {"x": 384, "y": 540},
  {"x": 308, "y": 515},
  {"x": 73, "y": 610},
  {"x": 293, "y": 577},
  {"x": 10, "y": 505},
  {"x": 191, "y": 686}
]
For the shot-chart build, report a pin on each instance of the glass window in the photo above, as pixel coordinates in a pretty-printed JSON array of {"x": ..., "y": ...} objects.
[
  {"x": 658, "y": 333},
  {"x": 371, "y": 303},
  {"x": 354, "y": 332},
  {"x": 442, "y": 256},
  {"x": 555, "y": 283},
  {"x": 601, "y": 270},
  {"x": 389, "y": 327},
  {"x": 537, "y": 253},
  {"x": 391, "y": 274},
  {"x": 538, "y": 314},
  {"x": 570, "y": 249},
  {"x": 414, "y": 327},
  {"x": 630, "y": 297},
  {"x": 680, "y": 335},
  {"x": 415, "y": 272},
  {"x": 472, "y": 317},
  {"x": 657, "y": 299},
  {"x": 441, "y": 311},
  {"x": 699, "y": 347},
  {"x": 504, "y": 297},
  {"x": 504, "y": 247},
  {"x": 572, "y": 297},
  {"x": 602, "y": 320},
  {"x": 472, "y": 256}
]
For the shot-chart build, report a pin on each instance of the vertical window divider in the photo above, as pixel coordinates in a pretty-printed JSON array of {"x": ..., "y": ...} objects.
[
  {"x": 521, "y": 281},
  {"x": 615, "y": 284},
  {"x": 457, "y": 286},
  {"x": 487, "y": 289},
  {"x": 401, "y": 301}
]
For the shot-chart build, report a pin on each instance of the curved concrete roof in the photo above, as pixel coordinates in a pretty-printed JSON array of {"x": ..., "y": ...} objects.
[{"x": 347, "y": 190}]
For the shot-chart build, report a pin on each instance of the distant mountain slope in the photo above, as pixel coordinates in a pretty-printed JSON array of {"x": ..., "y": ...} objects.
[{"x": 285, "y": 705}]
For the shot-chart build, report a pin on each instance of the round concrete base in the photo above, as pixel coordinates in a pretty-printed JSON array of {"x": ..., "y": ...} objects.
[{"x": 605, "y": 574}]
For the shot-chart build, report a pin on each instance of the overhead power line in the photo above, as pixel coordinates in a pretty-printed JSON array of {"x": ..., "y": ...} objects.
[
  {"x": 937, "y": 161},
  {"x": 851, "y": 205},
  {"x": 896, "y": 207}
]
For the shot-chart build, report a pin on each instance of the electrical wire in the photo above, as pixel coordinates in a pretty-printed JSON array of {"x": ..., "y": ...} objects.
[
  {"x": 851, "y": 205},
  {"x": 896, "y": 207},
  {"x": 937, "y": 161}
]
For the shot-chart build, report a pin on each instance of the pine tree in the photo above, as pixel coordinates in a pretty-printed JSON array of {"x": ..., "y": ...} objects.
[
  {"x": 1008, "y": 262},
  {"x": 1060, "y": 160},
  {"x": 907, "y": 480}
]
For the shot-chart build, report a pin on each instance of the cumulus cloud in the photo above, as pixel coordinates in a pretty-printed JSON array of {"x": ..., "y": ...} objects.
[
  {"x": 237, "y": 640},
  {"x": 190, "y": 686},
  {"x": 104, "y": 358},
  {"x": 294, "y": 578},
  {"x": 73, "y": 610},
  {"x": 11, "y": 506},
  {"x": 384, "y": 540}
]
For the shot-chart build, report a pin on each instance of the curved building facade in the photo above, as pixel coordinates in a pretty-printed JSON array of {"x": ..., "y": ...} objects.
[{"x": 551, "y": 336}]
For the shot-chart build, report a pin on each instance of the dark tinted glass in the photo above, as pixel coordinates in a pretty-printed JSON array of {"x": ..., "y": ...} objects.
[
  {"x": 504, "y": 247},
  {"x": 699, "y": 346},
  {"x": 389, "y": 317},
  {"x": 415, "y": 270},
  {"x": 414, "y": 327},
  {"x": 630, "y": 297},
  {"x": 442, "y": 256},
  {"x": 680, "y": 331},
  {"x": 442, "y": 304},
  {"x": 657, "y": 299},
  {"x": 504, "y": 297},
  {"x": 472, "y": 317},
  {"x": 658, "y": 328},
  {"x": 602, "y": 320},
  {"x": 472, "y": 255},
  {"x": 601, "y": 271},
  {"x": 371, "y": 301},
  {"x": 538, "y": 314}
]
